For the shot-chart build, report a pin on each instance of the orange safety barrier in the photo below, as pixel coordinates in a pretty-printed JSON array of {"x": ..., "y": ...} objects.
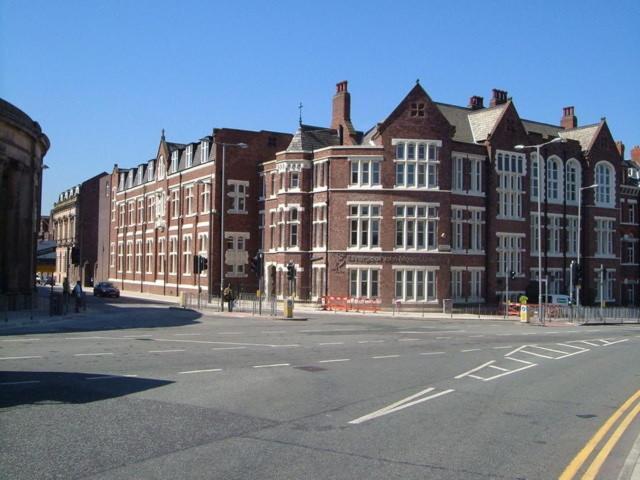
[
  {"x": 514, "y": 309},
  {"x": 346, "y": 304}
]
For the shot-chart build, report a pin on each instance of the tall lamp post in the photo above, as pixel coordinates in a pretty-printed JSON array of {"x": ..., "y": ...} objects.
[
  {"x": 595, "y": 185},
  {"x": 540, "y": 190},
  {"x": 222, "y": 196}
]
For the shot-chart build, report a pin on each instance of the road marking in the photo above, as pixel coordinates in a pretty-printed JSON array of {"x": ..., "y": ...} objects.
[
  {"x": 165, "y": 351},
  {"x": 503, "y": 348},
  {"x": 187, "y": 334},
  {"x": 476, "y": 336},
  {"x": 607, "y": 342},
  {"x": 442, "y": 338},
  {"x": 201, "y": 371},
  {"x": 370, "y": 341},
  {"x": 92, "y": 354},
  {"x": 401, "y": 405},
  {"x": 508, "y": 372},
  {"x": 24, "y": 382},
  {"x": 474, "y": 370},
  {"x": 471, "y": 350},
  {"x": 515, "y": 351},
  {"x": 435, "y": 331},
  {"x": 504, "y": 334},
  {"x": 335, "y": 360},
  {"x": 408, "y": 339},
  {"x": 520, "y": 361},
  {"x": 222, "y": 343},
  {"x": 228, "y": 348},
  {"x": 230, "y": 333},
  {"x": 273, "y": 365},
  {"x": 332, "y": 343},
  {"x": 386, "y": 356},
  {"x": 23, "y": 340},
  {"x": 582, "y": 456},
  {"x": 20, "y": 358},
  {"x": 273, "y": 331},
  {"x": 536, "y": 354},
  {"x": 499, "y": 368},
  {"x": 109, "y": 377},
  {"x": 137, "y": 336},
  {"x": 431, "y": 353}
]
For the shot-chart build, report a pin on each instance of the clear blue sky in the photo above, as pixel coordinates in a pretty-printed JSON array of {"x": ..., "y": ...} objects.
[{"x": 104, "y": 77}]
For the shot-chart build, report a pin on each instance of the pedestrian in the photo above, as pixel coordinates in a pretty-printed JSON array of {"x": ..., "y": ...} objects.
[
  {"x": 228, "y": 297},
  {"x": 66, "y": 293},
  {"x": 77, "y": 294}
]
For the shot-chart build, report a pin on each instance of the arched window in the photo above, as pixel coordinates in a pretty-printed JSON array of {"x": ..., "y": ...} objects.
[
  {"x": 161, "y": 168},
  {"x": 534, "y": 176},
  {"x": 554, "y": 179},
  {"x": 606, "y": 179},
  {"x": 573, "y": 182}
]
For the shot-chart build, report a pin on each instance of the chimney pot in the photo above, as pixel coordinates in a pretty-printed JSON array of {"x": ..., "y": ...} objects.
[
  {"x": 569, "y": 119},
  {"x": 476, "y": 102},
  {"x": 499, "y": 97},
  {"x": 635, "y": 155}
]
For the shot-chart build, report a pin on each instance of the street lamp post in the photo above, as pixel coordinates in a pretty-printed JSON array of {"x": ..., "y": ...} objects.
[
  {"x": 222, "y": 196},
  {"x": 540, "y": 190},
  {"x": 578, "y": 287}
]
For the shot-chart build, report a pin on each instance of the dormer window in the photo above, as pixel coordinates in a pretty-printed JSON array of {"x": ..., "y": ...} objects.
[
  {"x": 204, "y": 151},
  {"x": 130, "y": 179},
  {"x": 417, "y": 109},
  {"x": 161, "y": 168},
  {"x": 189, "y": 159},
  {"x": 139, "y": 176},
  {"x": 150, "y": 172},
  {"x": 174, "y": 162}
]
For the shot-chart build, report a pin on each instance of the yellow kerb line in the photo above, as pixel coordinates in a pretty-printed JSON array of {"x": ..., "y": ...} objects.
[{"x": 582, "y": 456}]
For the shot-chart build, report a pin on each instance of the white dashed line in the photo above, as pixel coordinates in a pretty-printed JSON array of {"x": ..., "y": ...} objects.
[
  {"x": 370, "y": 341},
  {"x": 442, "y": 338},
  {"x": 471, "y": 350},
  {"x": 409, "y": 339},
  {"x": 109, "y": 377},
  {"x": 273, "y": 365},
  {"x": 187, "y": 334},
  {"x": 503, "y": 348},
  {"x": 92, "y": 354},
  {"x": 23, "y": 340},
  {"x": 432, "y": 353},
  {"x": 228, "y": 348},
  {"x": 476, "y": 336},
  {"x": 201, "y": 371},
  {"x": 24, "y": 382},
  {"x": 165, "y": 351},
  {"x": 386, "y": 356},
  {"x": 335, "y": 360},
  {"x": 20, "y": 358},
  {"x": 332, "y": 343},
  {"x": 273, "y": 331}
]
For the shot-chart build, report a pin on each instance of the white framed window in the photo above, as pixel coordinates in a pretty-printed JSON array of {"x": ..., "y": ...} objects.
[
  {"x": 112, "y": 255},
  {"x": 121, "y": 213},
  {"x": 138, "y": 256},
  {"x": 294, "y": 180},
  {"x": 364, "y": 221},
  {"x": 629, "y": 251},
  {"x": 475, "y": 285},
  {"x": 120, "y": 256},
  {"x": 162, "y": 168},
  {"x": 364, "y": 282},
  {"x": 173, "y": 255},
  {"x": 509, "y": 254},
  {"x": 606, "y": 180},
  {"x": 238, "y": 195},
  {"x": 572, "y": 183},
  {"x": 141, "y": 211},
  {"x": 511, "y": 170},
  {"x": 174, "y": 162},
  {"x": 554, "y": 227},
  {"x": 319, "y": 226},
  {"x": 604, "y": 237},
  {"x": 456, "y": 285},
  {"x": 476, "y": 223},
  {"x": 203, "y": 248},
  {"x": 189, "y": 156},
  {"x": 609, "y": 278},
  {"x": 236, "y": 256},
  {"x": 150, "y": 171},
  {"x": 294, "y": 224},
  {"x": 205, "y": 197},
  {"x": 632, "y": 213},
  {"x": 129, "y": 256},
  {"x": 365, "y": 172},
  {"x": 417, "y": 163},
  {"x": 187, "y": 252},
  {"x": 416, "y": 226},
  {"x": 475, "y": 174},
  {"x": 555, "y": 280},
  {"x": 457, "y": 219},
  {"x": 317, "y": 281},
  {"x": 161, "y": 255},
  {"x": 131, "y": 206},
  {"x": 416, "y": 284},
  {"x": 149, "y": 256},
  {"x": 554, "y": 179},
  {"x": 204, "y": 151},
  {"x": 175, "y": 203},
  {"x": 458, "y": 174},
  {"x": 263, "y": 187},
  {"x": 151, "y": 208},
  {"x": 188, "y": 200}
]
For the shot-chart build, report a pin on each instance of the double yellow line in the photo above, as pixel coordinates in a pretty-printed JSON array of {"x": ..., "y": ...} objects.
[{"x": 579, "y": 460}]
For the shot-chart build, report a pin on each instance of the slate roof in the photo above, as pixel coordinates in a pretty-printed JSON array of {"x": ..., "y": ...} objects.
[
  {"x": 459, "y": 118},
  {"x": 308, "y": 138},
  {"x": 544, "y": 129},
  {"x": 483, "y": 121},
  {"x": 583, "y": 135}
]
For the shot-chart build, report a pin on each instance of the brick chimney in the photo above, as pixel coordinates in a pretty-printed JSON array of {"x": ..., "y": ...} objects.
[
  {"x": 569, "y": 119},
  {"x": 620, "y": 147},
  {"x": 635, "y": 155},
  {"x": 341, "y": 113},
  {"x": 499, "y": 97},
  {"x": 476, "y": 102}
]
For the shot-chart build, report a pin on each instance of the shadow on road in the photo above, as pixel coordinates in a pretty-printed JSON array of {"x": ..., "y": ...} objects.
[{"x": 48, "y": 388}]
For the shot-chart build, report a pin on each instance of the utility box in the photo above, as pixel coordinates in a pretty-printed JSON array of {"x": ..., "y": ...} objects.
[
  {"x": 288, "y": 308},
  {"x": 525, "y": 313}
]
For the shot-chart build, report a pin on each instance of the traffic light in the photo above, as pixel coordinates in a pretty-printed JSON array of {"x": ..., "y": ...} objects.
[
  {"x": 256, "y": 265},
  {"x": 578, "y": 276},
  {"x": 204, "y": 263},
  {"x": 291, "y": 271},
  {"x": 75, "y": 255},
  {"x": 196, "y": 264}
]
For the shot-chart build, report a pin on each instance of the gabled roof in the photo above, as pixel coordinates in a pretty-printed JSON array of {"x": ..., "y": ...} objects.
[
  {"x": 543, "y": 129},
  {"x": 459, "y": 118},
  {"x": 484, "y": 121},
  {"x": 308, "y": 138},
  {"x": 583, "y": 135}
]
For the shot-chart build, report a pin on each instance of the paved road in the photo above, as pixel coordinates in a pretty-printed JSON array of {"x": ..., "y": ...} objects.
[{"x": 142, "y": 391}]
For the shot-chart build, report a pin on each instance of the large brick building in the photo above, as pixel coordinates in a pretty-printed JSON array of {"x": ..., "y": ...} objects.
[
  {"x": 436, "y": 202},
  {"x": 160, "y": 214}
]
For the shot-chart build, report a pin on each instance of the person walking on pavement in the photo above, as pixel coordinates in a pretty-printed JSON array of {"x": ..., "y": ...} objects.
[
  {"x": 228, "y": 297},
  {"x": 77, "y": 294},
  {"x": 66, "y": 293}
]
